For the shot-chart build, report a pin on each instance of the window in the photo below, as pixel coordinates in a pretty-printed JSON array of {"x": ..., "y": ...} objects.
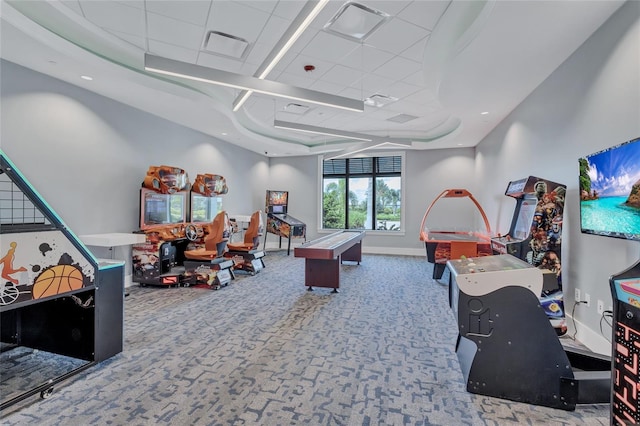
[{"x": 362, "y": 193}]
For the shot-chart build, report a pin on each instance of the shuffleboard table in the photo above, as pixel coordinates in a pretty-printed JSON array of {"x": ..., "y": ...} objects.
[{"x": 324, "y": 255}]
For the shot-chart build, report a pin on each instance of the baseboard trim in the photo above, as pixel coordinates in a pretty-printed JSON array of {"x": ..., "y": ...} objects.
[
  {"x": 398, "y": 251},
  {"x": 590, "y": 338}
]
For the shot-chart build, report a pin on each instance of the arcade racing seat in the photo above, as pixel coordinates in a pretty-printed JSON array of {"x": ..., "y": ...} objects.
[
  {"x": 246, "y": 255},
  {"x": 215, "y": 241},
  {"x": 251, "y": 236}
]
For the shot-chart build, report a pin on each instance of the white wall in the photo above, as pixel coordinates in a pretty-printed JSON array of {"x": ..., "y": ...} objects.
[
  {"x": 590, "y": 103},
  {"x": 87, "y": 155}
]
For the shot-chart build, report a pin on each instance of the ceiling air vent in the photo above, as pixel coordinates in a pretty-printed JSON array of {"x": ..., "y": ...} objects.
[
  {"x": 402, "y": 118},
  {"x": 355, "y": 22},
  {"x": 225, "y": 45},
  {"x": 296, "y": 108},
  {"x": 378, "y": 100}
]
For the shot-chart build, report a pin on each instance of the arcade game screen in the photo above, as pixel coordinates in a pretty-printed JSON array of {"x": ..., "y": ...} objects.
[
  {"x": 161, "y": 209},
  {"x": 277, "y": 198},
  {"x": 525, "y": 218},
  {"x": 610, "y": 191},
  {"x": 204, "y": 209}
]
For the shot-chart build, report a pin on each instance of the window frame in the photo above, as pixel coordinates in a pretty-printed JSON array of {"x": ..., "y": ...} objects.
[{"x": 401, "y": 154}]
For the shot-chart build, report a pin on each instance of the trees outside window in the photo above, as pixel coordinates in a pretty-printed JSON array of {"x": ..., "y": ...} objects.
[{"x": 362, "y": 193}]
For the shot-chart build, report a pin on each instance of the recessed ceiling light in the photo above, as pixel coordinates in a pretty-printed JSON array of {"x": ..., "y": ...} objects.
[
  {"x": 224, "y": 134},
  {"x": 484, "y": 113},
  {"x": 86, "y": 77}
]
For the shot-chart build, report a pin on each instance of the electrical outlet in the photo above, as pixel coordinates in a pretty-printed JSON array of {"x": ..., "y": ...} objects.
[
  {"x": 576, "y": 296},
  {"x": 587, "y": 299},
  {"x": 600, "y": 307}
]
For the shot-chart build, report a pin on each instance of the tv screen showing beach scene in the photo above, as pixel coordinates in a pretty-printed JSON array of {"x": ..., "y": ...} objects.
[{"x": 610, "y": 191}]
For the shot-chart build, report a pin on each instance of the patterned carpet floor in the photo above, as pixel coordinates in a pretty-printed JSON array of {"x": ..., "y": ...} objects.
[{"x": 264, "y": 351}]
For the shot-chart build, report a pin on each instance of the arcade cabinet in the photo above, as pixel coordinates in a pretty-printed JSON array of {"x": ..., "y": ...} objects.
[
  {"x": 625, "y": 399},
  {"x": 507, "y": 347},
  {"x": 208, "y": 233},
  {"x": 279, "y": 222},
  {"x": 246, "y": 255},
  {"x": 451, "y": 236},
  {"x": 535, "y": 235},
  {"x": 61, "y": 309},
  {"x": 163, "y": 216}
]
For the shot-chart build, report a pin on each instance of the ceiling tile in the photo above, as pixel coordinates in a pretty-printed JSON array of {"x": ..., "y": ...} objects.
[
  {"x": 258, "y": 54},
  {"x": 295, "y": 80},
  {"x": 297, "y": 67},
  {"x": 424, "y": 13},
  {"x": 263, "y": 5},
  {"x": 424, "y": 97},
  {"x": 326, "y": 87},
  {"x": 366, "y": 58},
  {"x": 372, "y": 83},
  {"x": 416, "y": 52},
  {"x": 73, "y": 5},
  {"x": 400, "y": 89},
  {"x": 390, "y": 7},
  {"x": 342, "y": 75},
  {"x": 354, "y": 93},
  {"x": 326, "y": 14},
  {"x": 288, "y": 9},
  {"x": 329, "y": 47},
  {"x": 115, "y": 16},
  {"x": 237, "y": 20},
  {"x": 398, "y": 68},
  {"x": 416, "y": 78},
  {"x": 139, "y": 4},
  {"x": 396, "y": 36},
  {"x": 173, "y": 52},
  {"x": 274, "y": 30},
  {"x": 219, "y": 62},
  {"x": 137, "y": 41},
  {"x": 192, "y": 11},
  {"x": 173, "y": 31}
]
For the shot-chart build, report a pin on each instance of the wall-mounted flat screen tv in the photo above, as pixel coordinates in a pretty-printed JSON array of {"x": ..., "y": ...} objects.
[{"x": 610, "y": 191}]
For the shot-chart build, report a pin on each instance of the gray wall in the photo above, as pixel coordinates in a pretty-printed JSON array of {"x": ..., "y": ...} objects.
[
  {"x": 590, "y": 103},
  {"x": 427, "y": 174},
  {"x": 87, "y": 155}
]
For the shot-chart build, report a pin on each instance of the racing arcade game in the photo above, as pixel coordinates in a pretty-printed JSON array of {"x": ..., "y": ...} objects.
[
  {"x": 163, "y": 216},
  {"x": 208, "y": 222}
]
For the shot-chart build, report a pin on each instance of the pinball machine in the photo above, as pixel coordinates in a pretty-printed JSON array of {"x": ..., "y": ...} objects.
[{"x": 280, "y": 222}]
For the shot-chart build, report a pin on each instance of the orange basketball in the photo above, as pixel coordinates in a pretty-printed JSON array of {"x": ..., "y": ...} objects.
[{"x": 57, "y": 280}]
